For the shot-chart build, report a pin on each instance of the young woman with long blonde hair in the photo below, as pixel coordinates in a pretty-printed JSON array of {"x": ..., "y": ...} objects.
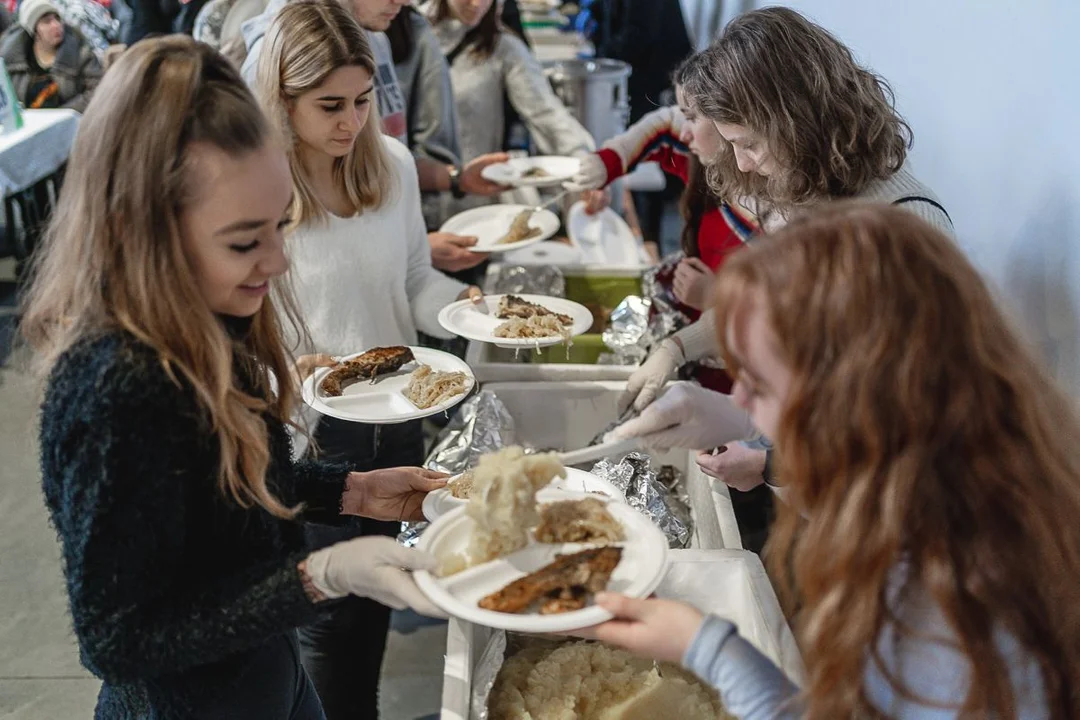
[
  {"x": 929, "y": 540},
  {"x": 164, "y": 453},
  {"x": 363, "y": 278}
]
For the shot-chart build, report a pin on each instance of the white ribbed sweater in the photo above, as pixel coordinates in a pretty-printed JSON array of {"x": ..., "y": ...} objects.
[{"x": 367, "y": 280}]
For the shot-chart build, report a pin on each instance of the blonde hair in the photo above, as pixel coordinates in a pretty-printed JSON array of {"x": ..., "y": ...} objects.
[
  {"x": 829, "y": 124},
  {"x": 113, "y": 260},
  {"x": 307, "y": 41},
  {"x": 919, "y": 436}
]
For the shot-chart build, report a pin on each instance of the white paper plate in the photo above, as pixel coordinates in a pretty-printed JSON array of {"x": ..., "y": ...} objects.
[
  {"x": 603, "y": 238},
  {"x": 551, "y": 252},
  {"x": 577, "y": 484},
  {"x": 382, "y": 402},
  {"x": 641, "y": 569},
  {"x": 464, "y": 319},
  {"x": 559, "y": 169},
  {"x": 491, "y": 222}
]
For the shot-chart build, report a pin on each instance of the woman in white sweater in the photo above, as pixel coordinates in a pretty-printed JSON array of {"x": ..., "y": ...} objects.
[
  {"x": 488, "y": 65},
  {"x": 362, "y": 276},
  {"x": 802, "y": 124}
]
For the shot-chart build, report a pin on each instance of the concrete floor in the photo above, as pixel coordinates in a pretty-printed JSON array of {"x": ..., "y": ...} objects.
[{"x": 40, "y": 674}]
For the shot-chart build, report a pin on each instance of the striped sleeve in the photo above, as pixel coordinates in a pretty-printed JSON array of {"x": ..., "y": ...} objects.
[{"x": 654, "y": 137}]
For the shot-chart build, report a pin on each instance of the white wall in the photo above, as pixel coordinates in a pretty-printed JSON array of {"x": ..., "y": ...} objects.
[{"x": 991, "y": 89}]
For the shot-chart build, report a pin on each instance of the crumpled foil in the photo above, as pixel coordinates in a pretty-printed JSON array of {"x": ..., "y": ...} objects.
[
  {"x": 527, "y": 280},
  {"x": 484, "y": 674},
  {"x": 482, "y": 425},
  {"x": 666, "y": 313},
  {"x": 411, "y": 532},
  {"x": 646, "y": 492},
  {"x": 628, "y": 325}
]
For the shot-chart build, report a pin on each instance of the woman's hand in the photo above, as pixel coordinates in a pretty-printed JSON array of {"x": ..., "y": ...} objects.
[
  {"x": 371, "y": 567},
  {"x": 595, "y": 201},
  {"x": 390, "y": 494},
  {"x": 693, "y": 281},
  {"x": 307, "y": 364},
  {"x": 451, "y": 253},
  {"x": 735, "y": 465},
  {"x": 474, "y": 183},
  {"x": 472, "y": 293},
  {"x": 658, "y": 629}
]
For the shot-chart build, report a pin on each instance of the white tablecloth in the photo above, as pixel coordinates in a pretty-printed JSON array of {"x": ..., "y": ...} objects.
[{"x": 37, "y": 149}]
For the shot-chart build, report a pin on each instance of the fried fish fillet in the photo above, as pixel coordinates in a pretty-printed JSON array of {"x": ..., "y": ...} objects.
[
  {"x": 519, "y": 229},
  {"x": 375, "y": 362},
  {"x": 512, "y": 306},
  {"x": 561, "y": 586}
]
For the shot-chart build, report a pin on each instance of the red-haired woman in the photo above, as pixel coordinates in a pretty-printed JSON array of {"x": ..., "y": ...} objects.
[{"x": 929, "y": 536}]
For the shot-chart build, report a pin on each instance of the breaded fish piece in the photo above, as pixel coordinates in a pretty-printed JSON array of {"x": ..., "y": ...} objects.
[
  {"x": 560, "y": 586},
  {"x": 519, "y": 229},
  {"x": 375, "y": 362}
]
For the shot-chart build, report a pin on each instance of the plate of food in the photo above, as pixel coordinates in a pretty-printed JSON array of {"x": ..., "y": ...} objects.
[
  {"x": 502, "y": 228},
  {"x": 515, "y": 560},
  {"x": 541, "y": 171},
  {"x": 517, "y": 321},
  {"x": 389, "y": 385},
  {"x": 577, "y": 484}
]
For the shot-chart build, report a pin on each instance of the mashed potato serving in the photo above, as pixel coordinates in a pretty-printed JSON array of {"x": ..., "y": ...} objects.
[{"x": 591, "y": 681}]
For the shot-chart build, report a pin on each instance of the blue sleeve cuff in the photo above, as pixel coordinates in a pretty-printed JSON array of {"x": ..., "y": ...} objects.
[{"x": 750, "y": 685}]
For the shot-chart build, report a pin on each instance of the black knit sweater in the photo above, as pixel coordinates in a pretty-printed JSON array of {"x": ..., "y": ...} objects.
[{"x": 172, "y": 586}]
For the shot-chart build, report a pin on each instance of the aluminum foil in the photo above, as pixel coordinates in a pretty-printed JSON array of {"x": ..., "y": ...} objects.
[
  {"x": 484, "y": 674},
  {"x": 527, "y": 280},
  {"x": 628, "y": 325},
  {"x": 666, "y": 313},
  {"x": 482, "y": 425},
  {"x": 646, "y": 492},
  {"x": 411, "y": 532}
]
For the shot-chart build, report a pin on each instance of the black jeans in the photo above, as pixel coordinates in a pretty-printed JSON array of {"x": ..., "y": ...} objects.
[
  {"x": 343, "y": 650},
  {"x": 271, "y": 685}
]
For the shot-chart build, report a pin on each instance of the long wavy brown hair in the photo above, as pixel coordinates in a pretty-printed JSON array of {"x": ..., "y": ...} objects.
[
  {"x": 829, "y": 124},
  {"x": 307, "y": 41},
  {"x": 112, "y": 259},
  {"x": 924, "y": 444}
]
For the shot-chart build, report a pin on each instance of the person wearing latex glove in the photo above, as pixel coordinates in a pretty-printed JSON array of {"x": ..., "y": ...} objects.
[
  {"x": 688, "y": 416},
  {"x": 693, "y": 342},
  {"x": 372, "y": 567}
]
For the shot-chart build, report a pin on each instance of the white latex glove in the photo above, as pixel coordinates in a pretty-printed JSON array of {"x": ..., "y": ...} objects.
[
  {"x": 646, "y": 382},
  {"x": 689, "y": 416},
  {"x": 591, "y": 176},
  {"x": 373, "y": 567}
]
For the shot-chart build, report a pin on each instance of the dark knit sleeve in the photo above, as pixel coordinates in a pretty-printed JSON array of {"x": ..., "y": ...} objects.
[
  {"x": 320, "y": 486},
  {"x": 121, "y": 451}
]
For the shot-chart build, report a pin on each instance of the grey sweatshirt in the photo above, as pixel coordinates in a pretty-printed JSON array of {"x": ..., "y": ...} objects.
[{"x": 429, "y": 99}]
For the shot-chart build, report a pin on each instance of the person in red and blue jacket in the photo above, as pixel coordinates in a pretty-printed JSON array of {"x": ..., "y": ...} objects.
[{"x": 682, "y": 143}]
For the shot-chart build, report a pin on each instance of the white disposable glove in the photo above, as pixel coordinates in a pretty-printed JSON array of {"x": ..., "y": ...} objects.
[
  {"x": 591, "y": 176},
  {"x": 647, "y": 381},
  {"x": 689, "y": 416},
  {"x": 373, "y": 567}
]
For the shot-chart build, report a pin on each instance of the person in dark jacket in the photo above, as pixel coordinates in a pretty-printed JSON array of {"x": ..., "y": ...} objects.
[
  {"x": 150, "y": 18},
  {"x": 651, "y": 37},
  {"x": 50, "y": 64},
  {"x": 165, "y": 460},
  {"x": 648, "y": 35}
]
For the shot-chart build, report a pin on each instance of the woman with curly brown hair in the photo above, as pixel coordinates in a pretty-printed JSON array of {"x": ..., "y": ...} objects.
[
  {"x": 929, "y": 541},
  {"x": 803, "y": 124}
]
